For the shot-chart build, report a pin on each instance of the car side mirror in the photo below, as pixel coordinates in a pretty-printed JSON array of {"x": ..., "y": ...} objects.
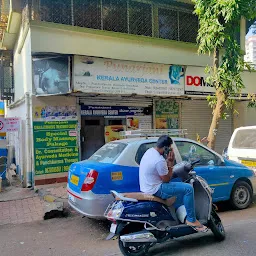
[{"x": 225, "y": 153}]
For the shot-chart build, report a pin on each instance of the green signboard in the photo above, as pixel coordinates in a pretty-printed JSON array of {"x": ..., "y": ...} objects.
[
  {"x": 167, "y": 114},
  {"x": 55, "y": 146}
]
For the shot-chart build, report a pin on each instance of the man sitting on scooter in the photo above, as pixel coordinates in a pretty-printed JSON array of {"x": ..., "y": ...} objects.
[{"x": 155, "y": 179}]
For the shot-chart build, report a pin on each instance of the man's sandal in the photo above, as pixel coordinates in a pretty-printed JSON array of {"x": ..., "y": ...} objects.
[{"x": 196, "y": 228}]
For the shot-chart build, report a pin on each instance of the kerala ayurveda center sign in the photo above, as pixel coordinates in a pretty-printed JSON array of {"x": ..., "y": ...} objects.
[{"x": 109, "y": 76}]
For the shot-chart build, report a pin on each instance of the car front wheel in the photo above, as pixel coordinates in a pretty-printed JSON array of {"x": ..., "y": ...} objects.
[{"x": 241, "y": 196}]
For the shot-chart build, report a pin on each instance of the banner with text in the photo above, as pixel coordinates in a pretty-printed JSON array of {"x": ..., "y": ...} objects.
[
  {"x": 109, "y": 111},
  {"x": 195, "y": 82},
  {"x": 108, "y": 76},
  {"x": 55, "y": 146}
]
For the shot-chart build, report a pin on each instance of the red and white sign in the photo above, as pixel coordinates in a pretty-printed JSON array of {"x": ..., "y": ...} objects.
[
  {"x": 195, "y": 82},
  {"x": 9, "y": 124}
]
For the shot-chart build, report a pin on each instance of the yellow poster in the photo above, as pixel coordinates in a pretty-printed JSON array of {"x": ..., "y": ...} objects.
[{"x": 112, "y": 132}]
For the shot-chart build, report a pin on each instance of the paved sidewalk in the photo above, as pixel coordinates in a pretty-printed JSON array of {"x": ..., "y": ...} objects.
[
  {"x": 20, "y": 205},
  {"x": 21, "y": 211}
]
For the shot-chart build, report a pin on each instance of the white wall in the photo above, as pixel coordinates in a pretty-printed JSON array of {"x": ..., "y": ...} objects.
[
  {"x": 16, "y": 140},
  {"x": 81, "y": 42},
  {"x": 23, "y": 65}
]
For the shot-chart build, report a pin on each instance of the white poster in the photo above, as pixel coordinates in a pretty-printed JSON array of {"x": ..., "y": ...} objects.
[
  {"x": 138, "y": 122},
  {"x": 9, "y": 124},
  {"x": 108, "y": 76}
]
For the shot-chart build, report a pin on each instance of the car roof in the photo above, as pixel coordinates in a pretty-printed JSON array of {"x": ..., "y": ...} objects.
[
  {"x": 246, "y": 128},
  {"x": 150, "y": 139}
]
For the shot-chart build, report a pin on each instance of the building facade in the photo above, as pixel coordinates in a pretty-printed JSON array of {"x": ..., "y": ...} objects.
[
  {"x": 85, "y": 70},
  {"x": 251, "y": 50}
]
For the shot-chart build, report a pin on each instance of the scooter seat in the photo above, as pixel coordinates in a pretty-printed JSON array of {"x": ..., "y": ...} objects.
[{"x": 146, "y": 197}]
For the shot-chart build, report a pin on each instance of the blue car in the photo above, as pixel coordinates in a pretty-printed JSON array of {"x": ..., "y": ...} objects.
[{"x": 115, "y": 166}]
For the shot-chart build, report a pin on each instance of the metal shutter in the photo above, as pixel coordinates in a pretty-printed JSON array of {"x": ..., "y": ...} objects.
[{"x": 196, "y": 117}]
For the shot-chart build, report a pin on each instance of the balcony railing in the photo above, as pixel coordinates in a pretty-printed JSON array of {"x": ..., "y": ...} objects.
[{"x": 146, "y": 18}]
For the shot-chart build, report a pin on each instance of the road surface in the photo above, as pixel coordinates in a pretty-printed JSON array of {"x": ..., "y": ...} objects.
[{"x": 84, "y": 237}]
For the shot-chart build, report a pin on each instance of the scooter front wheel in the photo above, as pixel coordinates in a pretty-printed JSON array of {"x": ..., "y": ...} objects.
[
  {"x": 133, "y": 249},
  {"x": 217, "y": 227}
]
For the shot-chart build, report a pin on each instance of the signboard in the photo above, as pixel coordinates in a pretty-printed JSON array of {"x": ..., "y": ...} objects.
[
  {"x": 112, "y": 132},
  {"x": 139, "y": 122},
  {"x": 167, "y": 114},
  {"x": 195, "y": 82},
  {"x": 9, "y": 125},
  {"x": 51, "y": 75},
  {"x": 108, "y": 76},
  {"x": 58, "y": 113},
  {"x": 55, "y": 146},
  {"x": 110, "y": 111}
]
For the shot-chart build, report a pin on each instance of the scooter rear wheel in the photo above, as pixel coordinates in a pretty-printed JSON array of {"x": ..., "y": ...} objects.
[
  {"x": 136, "y": 249},
  {"x": 217, "y": 227}
]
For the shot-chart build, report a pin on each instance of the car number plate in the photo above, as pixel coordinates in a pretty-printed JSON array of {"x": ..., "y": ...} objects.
[
  {"x": 249, "y": 163},
  {"x": 71, "y": 198},
  {"x": 74, "y": 179},
  {"x": 113, "y": 228}
]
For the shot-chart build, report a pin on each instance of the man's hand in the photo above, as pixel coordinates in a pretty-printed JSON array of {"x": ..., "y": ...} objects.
[{"x": 170, "y": 158}]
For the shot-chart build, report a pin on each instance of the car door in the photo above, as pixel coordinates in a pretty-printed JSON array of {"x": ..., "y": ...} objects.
[{"x": 211, "y": 167}]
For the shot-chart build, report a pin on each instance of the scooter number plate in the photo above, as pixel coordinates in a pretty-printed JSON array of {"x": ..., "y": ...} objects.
[{"x": 113, "y": 228}]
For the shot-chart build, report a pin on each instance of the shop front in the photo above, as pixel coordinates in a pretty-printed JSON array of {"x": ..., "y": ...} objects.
[
  {"x": 117, "y": 95},
  {"x": 102, "y": 124}
]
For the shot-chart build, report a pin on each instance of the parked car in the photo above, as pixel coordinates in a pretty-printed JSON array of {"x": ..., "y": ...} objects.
[
  {"x": 115, "y": 166},
  {"x": 242, "y": 146}
]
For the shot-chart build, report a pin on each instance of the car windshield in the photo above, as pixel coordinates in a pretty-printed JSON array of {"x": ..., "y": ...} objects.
[
  {"x": 245, "y": 139},
  {"x": 108, "y": 153}
]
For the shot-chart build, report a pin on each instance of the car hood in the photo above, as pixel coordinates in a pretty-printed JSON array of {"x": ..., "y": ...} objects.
[{"x": 233, "y": 163}]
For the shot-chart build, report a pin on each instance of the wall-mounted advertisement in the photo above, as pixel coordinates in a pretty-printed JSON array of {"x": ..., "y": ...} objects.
[
  {"x": 167, "y": 114},
  {"x": 112, "y": 132},
  {"x": 108, "y": 76},
  {"x": 60, "y": 113},
  {"x": 110, "y": 111},
  {"x": 138, "y": 122},
  {"x": 55, "y": 146},
  {"x": 195, "y": 82},
  {"x": 51, "y": 75}
]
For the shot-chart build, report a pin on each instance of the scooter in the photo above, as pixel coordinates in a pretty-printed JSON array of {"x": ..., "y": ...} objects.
[{"x": 140, "y": 221}]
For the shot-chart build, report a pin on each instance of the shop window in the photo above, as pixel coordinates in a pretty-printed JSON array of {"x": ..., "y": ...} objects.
[
  {"x": 115, "y": 15},
  {"x": 168, "y": 24},
  {"x": 57, "y": 11},
  {"x": 87, "y": 13},
  {"x": 140, "y": 17}
]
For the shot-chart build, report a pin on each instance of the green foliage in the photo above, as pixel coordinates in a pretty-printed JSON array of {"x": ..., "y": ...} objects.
[{"x": 219, "y": 24}]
